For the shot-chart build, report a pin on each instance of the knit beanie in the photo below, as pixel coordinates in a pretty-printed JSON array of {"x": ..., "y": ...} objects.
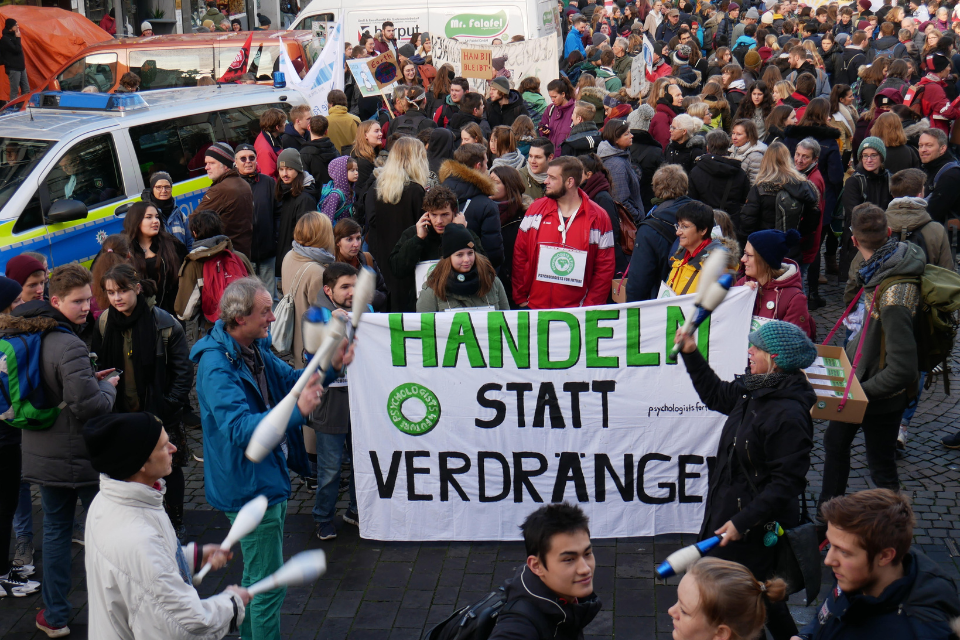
[
  {"x": 767, "y": 18},
  {"x": 640, "y": 117},
  {"x": 407, "y": 50},
  {"x": 9, "y": 24},
  {"x": 611, "y": 101},
  {"x": 10, "y": 290},
  {"x": 874, "y": 143},
  {"x": 501, "y": 84},
  {"x": 145, "y": 26},
  {"x": 765, "y": 54},
  {"x": 222, "y": 153},
  {"x": 753, "y": 14},
  {"x": 158, "y": 176},
  {"x": 733, "y": 6},
  {"x": 773, "y": 245},
  {"x": 864, "y": 5},
  {"x": 290, "y": 158},
  {"x": 455, "y": 237},
  {"x": 598, "y": 39},
  {"x": 119, "y": 444},
  {"x": 752, "y": 60},
  {"x": 786, "y": 343},
  {"x": 20, "y": 267},
  {"x": 682, "y": 55},
  {"x": 936, "y": 62}
]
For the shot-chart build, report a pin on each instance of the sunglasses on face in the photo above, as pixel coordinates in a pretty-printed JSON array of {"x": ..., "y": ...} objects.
[{"x": 247, "y": 159}]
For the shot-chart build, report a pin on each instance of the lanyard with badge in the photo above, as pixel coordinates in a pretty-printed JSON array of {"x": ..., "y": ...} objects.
[{"x": 561, "y": 264}]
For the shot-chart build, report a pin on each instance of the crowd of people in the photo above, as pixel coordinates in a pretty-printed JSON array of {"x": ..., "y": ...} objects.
[{"x": 802, "y": 143}]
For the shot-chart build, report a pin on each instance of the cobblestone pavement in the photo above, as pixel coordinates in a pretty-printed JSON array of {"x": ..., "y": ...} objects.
[{"x": 381, "y": 590}]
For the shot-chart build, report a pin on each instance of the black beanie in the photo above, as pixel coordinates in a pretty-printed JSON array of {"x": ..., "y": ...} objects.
[
  {"x": 455, "y": 237},
  {"x": 119, "y": 444},
  {"x": 222, "y": 153},
  {"x": 10, "y": 290}
]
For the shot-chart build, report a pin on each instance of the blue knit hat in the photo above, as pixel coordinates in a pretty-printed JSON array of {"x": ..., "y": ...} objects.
[
  {"x": 786, "y": 343},
  {"x": 773, "y": 245}
]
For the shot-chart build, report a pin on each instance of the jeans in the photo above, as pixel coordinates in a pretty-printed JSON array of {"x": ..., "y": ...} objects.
[
  {"x": 330, "y": 456},
  {"x": 804, "y": 268},
  {"x": 59, "y": 505},
  {"x": 912, "y": 407},
  {"x": 880, "y": 432},
  {"x": 23, "y": 518},
  {"x": 262, "y": 555},
  {"x": 286, "y": 19},
  {"x": 18, "y": 81},
  {"x": 267, "y": 272},
  {"x": 9, "y": 488}
]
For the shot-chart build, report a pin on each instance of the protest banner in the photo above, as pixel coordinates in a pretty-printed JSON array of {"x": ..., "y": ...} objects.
[
  {"x": 324, "y": 76},
  {"x": 384, "y": 69},
  {"x": 513, "y": 60},
  {"x": 476, "y": 63},
  {"x": 465, "y": 422}
]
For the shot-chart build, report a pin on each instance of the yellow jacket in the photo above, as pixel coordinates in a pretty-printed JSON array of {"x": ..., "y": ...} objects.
[
  {"x": 342, "y": 127},
  {"x": 685, "y": 270}
]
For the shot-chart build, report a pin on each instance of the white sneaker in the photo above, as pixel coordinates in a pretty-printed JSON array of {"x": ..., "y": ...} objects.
[
  {"x": 15, "y": 583},
  {"x": 902, "y": 438}
]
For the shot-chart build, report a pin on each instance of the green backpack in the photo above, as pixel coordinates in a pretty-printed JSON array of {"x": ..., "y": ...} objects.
[
  {"x": 22, "y": 401},
  {"x": 936, "y": 326}
]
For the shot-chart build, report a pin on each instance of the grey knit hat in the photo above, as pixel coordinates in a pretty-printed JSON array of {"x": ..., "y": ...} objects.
[
  {"x": 641, "y": 117},
  {"x": 290, "y": 158},
  {"x": 158, "y": 176}
]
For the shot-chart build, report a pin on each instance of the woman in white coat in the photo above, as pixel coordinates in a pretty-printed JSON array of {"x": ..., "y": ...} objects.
[{"x": 138, "y": 575}]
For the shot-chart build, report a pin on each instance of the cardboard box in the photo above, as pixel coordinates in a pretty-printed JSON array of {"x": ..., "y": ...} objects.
[
  {"x": 829, "y": 388},
  {"x": 619, "y": 290}
]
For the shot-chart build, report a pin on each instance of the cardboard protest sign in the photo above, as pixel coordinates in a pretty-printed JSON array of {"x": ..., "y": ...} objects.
[
  {"x": 384, "y": 69},
  {"x": 476, "y": 63}
]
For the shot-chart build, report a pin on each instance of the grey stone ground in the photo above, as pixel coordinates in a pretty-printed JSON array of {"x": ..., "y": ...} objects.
[{"x": 381, "y": 590}]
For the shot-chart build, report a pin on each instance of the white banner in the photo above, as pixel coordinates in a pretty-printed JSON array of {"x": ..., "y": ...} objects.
[
  {"x": 536, "y": 58},
  {"x": 325, "y": 75},
  {"x": 464, "y": 423}
]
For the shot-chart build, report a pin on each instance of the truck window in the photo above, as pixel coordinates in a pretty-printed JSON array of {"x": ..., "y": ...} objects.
[
  {"x": 308, "y": 22},
  {"x": 176, "y": 146},
  {"x": 243, "y": 123},
  {"x": 88, "y": 172},
  {"x": 165, "y": 68},
  {"x": 262, "y": 59},
  {"x": 98, "y": 70}
]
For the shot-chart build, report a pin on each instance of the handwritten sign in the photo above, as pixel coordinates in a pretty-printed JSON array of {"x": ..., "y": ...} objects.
[
  {"x": 384, "y": 69},
  {"x": 476, "y": 63},
  {"x": 521, "y": 59}
]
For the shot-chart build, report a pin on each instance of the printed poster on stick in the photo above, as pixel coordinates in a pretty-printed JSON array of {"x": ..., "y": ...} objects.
[
  {"x": 384, "y": 69},
  {"x": 465, "y": 422},
  {"x": 513, "y": 60}
]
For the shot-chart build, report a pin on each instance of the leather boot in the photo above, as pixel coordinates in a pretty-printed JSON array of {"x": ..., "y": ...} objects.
[{"x": 831, "y": 264}]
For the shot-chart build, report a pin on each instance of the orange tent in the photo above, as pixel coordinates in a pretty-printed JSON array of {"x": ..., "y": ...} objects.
[{"x": 50, "y": 38}]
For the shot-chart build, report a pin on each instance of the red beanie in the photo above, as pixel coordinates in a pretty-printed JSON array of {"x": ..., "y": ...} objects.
[{"x": 20, "y": 268}]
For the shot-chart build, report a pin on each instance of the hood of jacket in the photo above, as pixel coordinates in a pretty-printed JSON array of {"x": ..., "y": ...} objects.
[
  {"x": 217, "y": 339},
  {"x": 229, "y": 173},
  {"x": 555, "y": 612},
  {"x": 719, "y": 166},
  {"x": 130, "y": 494},
  {"x": 791, "y": 278},
  {"x": 607, "y": 150},
  {"x": 322, "y": 147},
  {"x": 739, "y": 153},
  {"x": 739, "y": 83},
  {"x": 747, "y": 40},
  {"x": 466, "y": 182},
  {"x": 291, "y": 130},
  {"x": 643, "y": 137},
  {"x": 515, "y": 102},
  {"x": 593, "y": 92},
  {"x": 688, "y": 77},
  {"x": 917, "y": 128},
  {"x": 513, "y": 159},
  {"x": 43, "y": 309},
  {"x": 886, "y": 42},
  {"x": 440, "y": 149},
  {"x": 13, "y": 324},
  {"x": 669, "y": 110},
  {"x": 817, "y": 132},
  {"x": 691, "y": 143},
  {"x": 907, "y": 214},
  {"x": 203, "y": 249}
]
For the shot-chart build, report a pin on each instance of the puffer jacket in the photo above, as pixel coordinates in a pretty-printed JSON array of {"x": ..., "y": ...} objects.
[
  {"x": 760, "y": 211},
  {"x": 686, "y": 153},
  {"x": 317, "y": 156},
  {"x": 713, "y": 176},
  {"x": 191, "y": 269},
  {"x": 428, "y": 302},
  {"x": 231, "y": 407},
  {"x": 768, "y": 435},
  {"x": 626, "y": 184},
  {"x": 57, "y": 457},
  {"x": 498, "y": 114},
  {"x": 264, "y": 244},
  {"x": 749, "y": 156},
  {"x": 688, "y": 79},
  {"x": 908, "y": 216},
  {"x": 921, "y": 604},
  {"x": 863, "y": 186},
  {"x": 473, "y": 189},
  {"x": 556, "y": 122},
  {"x": 584, "y": 138},
  {"x": 782, "y": 299},
  {"x": 137, "y": 588},
  {"x": 554, "y": 617}
]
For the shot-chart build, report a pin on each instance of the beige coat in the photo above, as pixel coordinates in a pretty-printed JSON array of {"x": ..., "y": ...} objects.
[
  {"x": 342, "y": 127},
  {"x": 308, "y": 287}
]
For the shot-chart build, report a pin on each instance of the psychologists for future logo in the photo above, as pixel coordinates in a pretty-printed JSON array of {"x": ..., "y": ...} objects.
[
  {"x": 562, "y": 263},
  {"x": 405, "y": 392}
]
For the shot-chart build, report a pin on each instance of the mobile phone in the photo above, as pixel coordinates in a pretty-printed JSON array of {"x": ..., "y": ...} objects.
[{"x": 114, "y": 374}]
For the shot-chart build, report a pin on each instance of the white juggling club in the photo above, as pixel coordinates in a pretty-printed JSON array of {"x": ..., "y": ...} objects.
[
  {"x": 248, "y": 519},
  {"x": 712, "y": 296},
  {"x": 304, "y": 567},
  {"x": 680, "y": 561}
]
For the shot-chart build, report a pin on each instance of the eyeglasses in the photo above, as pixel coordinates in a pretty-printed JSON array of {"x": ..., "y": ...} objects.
[
  {"x": 247, "y": 159},
  {"x": 870, "y": 156},
  {"x": 160, "y": 187},
  {"x": 684, "y": 227}
]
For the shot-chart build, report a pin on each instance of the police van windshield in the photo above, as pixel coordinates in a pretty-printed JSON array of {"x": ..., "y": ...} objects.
[{"x": 18, "y": 156}]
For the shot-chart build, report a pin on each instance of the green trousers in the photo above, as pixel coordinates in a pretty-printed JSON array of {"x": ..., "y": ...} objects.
[{"x": 262, "y": 555}]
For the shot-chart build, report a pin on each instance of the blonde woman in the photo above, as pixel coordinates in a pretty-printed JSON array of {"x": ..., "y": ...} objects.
[
  {"x": 783, "y": 90},
  {"x": 394, "y": 203}
]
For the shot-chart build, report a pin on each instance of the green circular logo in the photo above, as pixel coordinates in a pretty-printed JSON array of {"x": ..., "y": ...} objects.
[
  {"x": 821, "y": 405},
  {"x": 562, "y": 263},
  {"x": 395, "y": 409}
]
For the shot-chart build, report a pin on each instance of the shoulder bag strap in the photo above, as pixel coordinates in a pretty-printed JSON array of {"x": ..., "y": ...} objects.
[
  {"x": 856, "y": 298},
  {"x": 297, "y": 278},
  {"x": 856, "y": 357}
]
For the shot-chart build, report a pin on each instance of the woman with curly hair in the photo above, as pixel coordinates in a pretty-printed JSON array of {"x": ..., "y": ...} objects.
[{"x": 756, "y": 106}]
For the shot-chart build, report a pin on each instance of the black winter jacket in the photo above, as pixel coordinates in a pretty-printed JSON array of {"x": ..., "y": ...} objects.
[
  {"x": 289, "y": 210},
  {"x": 291, "y": 138},
  {"x": 647, "y": 154},
  {"x": 862, "y": 186},
  {"x": 584, "y": 138},
  {"x": 768, "y": 435},
  {"x": 760, "y": 212},
  {"x": 712, "y": 177},
  {"x": 387, "y": 223},
  {"x": 11, "y": 52},
  {"x": 265, "y": 220},
  {"x": 542, "y": 614},
  {"x": 498, "y": 114},
  {"x": 684, "y": 153},
  {"x": 649, "y": 262},
  {"x": 316, "y": 156},
  {"x": 482, "y": 214},
  {"x": 944, "y": 199},
  {"x": 412, "y": 122}
]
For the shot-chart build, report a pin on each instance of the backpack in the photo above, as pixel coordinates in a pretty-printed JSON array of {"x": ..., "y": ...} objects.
[
  {"x": 740, "y": 52},
  {"x": 476, "y": 621},
  {"x": 285, "y": 315},
  {"x": 788, "y": 210},
  {"x": 218, "y": 272},
  {"x": 913, "y": 98},
  {"x": 916, "y": 237},
  {"x": 23, "y": 404},
  {"x": 628, "y": 229},
  {"x": 664, "y": 228},
  {"x": 344, "y": 210},
  {"x": 885, "y": 53},
  {"x": 936, "y": 325},
  {"x": 953, "y": 164}
]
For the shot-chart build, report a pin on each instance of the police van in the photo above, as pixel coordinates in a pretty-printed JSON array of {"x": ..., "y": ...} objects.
[{"x": 72, "y": 163}]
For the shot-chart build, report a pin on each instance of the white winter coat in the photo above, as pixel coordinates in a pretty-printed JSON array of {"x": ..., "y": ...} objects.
[
  {"x": 135, "y": 588},
  {"x": 749, "y": 156}
]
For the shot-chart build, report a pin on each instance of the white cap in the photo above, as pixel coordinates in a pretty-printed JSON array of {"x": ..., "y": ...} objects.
[{"x": 145, "y": 26}]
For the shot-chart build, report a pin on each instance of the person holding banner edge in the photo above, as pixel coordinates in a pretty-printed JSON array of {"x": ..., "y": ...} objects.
[{"x": 764, "y": 450}]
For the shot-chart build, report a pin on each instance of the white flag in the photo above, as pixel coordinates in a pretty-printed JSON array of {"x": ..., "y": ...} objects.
[{"x": 325, "y": 75}]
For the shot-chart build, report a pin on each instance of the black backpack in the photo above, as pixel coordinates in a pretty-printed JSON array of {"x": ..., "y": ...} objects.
[
  {"x": 916, "y": 237},
  {"x": 664, "y": 228},
  {"x": 740, "y": 52},
  {"x": 476, "y": 621},
  {"x": 789, "y": 211}
]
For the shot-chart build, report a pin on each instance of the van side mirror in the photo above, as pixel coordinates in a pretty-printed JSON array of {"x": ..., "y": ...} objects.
[
  {"x": 66, "y": 211},
  {"x": 122, "y": 209}
]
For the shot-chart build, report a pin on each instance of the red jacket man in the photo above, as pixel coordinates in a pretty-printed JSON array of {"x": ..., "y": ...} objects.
[
  {"x": 564, "y": 255},
  {"x": 934, "y": 103}
]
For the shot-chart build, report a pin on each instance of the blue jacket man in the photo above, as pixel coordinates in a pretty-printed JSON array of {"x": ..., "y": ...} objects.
[{"x": 574, "y": 41}]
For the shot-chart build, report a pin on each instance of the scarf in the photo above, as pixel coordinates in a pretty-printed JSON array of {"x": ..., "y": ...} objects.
[
  {"x": 539, "y": 178},
  {"x": 595, "y": 184},
  {"x": 316, "y": 254},
  {"x": 754, "y": 381},
  {"x": 619, "y": 112},
  {"x": 508, "y": 211},
  {"x": 867, "y": 275},
  {"x": 668, "y": 102},
  {"x": 165, "y": 207},
  {"x": 464, "y": 284},
  {"x": 208, "y": 243},
  {"x": 144, "y": 347},
  {"x": 513, "y": 159}
]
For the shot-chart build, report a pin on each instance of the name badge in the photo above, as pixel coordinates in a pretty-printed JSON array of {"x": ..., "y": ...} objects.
[
  {"x": 561, "y": 265},
  {"x": 422, "y": 272}
]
